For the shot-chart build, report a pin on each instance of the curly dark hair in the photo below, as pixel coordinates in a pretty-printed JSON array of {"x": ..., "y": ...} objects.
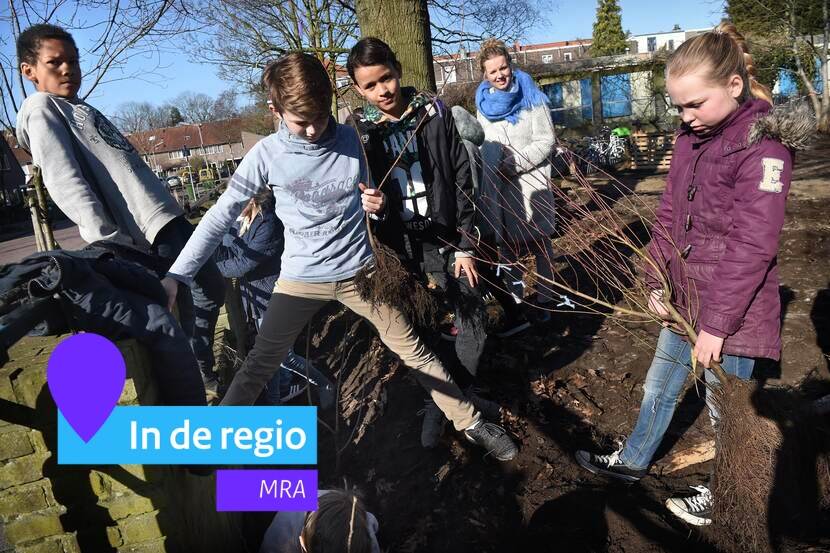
[{"x": 28, "y": 43}]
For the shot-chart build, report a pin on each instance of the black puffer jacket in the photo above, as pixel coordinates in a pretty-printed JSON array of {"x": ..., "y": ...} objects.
[
  {"x": 445, "y": 168},
  {"x": 116, "y": 298}
]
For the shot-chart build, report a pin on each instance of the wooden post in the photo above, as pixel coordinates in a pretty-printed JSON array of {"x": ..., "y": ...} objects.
[
  {"x": 43, "y": 210},
  {"x": 31, "y": 201}
]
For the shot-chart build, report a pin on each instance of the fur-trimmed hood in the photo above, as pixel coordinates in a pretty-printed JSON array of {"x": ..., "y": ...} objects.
[
  {"x": 792, "y": 124},
  {"x": 468, "y": 126}
]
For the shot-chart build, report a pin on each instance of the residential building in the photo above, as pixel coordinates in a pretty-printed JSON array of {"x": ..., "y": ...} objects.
[
  {"x": 463, "y": 66},
  {"x": 12, "y": 180},
  {"x": 623, "y": 90},
  {"x": 668, "y": 40},
  {"x": 169, "y": 149}
]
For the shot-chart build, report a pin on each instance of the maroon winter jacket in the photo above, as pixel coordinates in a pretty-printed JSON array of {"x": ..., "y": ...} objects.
[{"x": 719, "y": 223}]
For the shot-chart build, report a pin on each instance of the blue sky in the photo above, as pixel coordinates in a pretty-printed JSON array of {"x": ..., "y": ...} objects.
[
  {"x": 575, "y": 19},
  {"x": 568, "y": 19}
]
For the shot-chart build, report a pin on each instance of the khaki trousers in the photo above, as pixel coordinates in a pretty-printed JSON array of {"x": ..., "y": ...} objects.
[{"x": 292, "y": 306}]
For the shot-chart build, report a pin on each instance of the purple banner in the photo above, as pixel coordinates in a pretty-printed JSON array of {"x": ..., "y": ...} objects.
[{"x": 266, "y": 490}]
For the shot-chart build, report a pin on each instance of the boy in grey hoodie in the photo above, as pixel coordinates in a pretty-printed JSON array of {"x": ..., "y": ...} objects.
[
  {"x": 316, "y": 170},
  {"x": 96, "y": 177}
]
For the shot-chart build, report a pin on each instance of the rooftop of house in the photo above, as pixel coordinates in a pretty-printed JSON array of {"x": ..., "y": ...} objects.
[
  {"x": 169, "y": 139},
  {"x": 22, "y": 156},
  {"x": 517, "y": 47}
]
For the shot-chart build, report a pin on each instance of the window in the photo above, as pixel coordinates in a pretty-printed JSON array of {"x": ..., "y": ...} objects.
[
  {"x": 556, "y": 101},
  {"x": 446, "y": 74},
  {"x": 564, "y": 108},
  {"x": 651, "y": 44},
  {"x": 176, "y": 154},
  {"x": 586, "y": 93},
  {"x": 214, "y": 149},
  {"x": 616, "y": 95},
  {"x": 547, "y": 58},
  {"x": 671, "y": 45},
  {"x": 568, "y": 56},
  {"x": 818, "y": 82}
]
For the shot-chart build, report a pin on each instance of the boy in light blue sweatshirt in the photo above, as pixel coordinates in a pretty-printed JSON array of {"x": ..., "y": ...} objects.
[{"x": 316, "y": 170}]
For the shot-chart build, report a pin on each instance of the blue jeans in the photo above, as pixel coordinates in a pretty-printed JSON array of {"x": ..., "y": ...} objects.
[{"x": 664, "y": 383}]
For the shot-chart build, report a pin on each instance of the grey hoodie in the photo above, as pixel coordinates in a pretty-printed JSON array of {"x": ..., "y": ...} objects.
[
  {"x": 317, "y": 199},
  {"x": 92, "y": 172}
]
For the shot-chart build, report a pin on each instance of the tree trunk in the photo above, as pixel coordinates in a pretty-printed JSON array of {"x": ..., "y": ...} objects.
[{"x": 404, "y": 26}]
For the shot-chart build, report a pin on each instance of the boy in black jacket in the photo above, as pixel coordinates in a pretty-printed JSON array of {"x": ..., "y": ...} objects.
[{"x": 429, "y": 218}]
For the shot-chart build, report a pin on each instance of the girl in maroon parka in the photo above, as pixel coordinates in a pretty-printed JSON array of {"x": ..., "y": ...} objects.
[{"x": 717, "y": 233}]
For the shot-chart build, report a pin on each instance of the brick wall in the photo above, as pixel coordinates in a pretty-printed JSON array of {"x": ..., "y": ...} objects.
[{"x": 50, "y": 508}]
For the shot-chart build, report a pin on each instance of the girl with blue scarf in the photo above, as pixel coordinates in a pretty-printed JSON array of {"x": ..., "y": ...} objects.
[{"x": 515, "y": 193}]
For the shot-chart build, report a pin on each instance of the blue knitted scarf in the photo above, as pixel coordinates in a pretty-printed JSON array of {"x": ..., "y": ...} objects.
[{"x": 497, "y": 104}]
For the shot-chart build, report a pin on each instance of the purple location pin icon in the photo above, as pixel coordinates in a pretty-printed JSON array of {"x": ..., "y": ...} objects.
[{"x": 86, "y": 374}]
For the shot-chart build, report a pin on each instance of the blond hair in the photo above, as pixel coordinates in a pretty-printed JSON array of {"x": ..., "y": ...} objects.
[
  {"x": 492, "y": 48},
  {"x": 298, "y": 83},
  {"x": 723, "y": 52}
]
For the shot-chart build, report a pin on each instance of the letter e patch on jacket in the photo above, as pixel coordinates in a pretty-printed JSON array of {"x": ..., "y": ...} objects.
[{"x": 771, "y": 181}]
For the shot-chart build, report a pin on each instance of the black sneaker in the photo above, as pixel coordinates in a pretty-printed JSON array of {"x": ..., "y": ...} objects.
[
  {"x": 608, "y": 465},
  {"x": 494, "y": 439},
  {"x": 512, "y": 327},
  {"x": 695, "y": 509}
]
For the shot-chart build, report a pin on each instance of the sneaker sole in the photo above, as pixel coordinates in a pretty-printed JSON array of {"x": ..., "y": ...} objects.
[
  {"x": 686, "y": 516},
  {"x": 602, "y": 472},
  {"x": 513, "y": 331}
]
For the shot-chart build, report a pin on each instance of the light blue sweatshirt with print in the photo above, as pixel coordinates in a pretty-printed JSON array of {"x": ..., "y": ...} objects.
[{"x": 315, "y": 185}]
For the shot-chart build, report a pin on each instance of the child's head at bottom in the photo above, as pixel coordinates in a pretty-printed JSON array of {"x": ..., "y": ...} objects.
[
  {"x": 299, "y": 90},
  {"x": 339, "y": 525},
  {"x": 710, "y": 75}
]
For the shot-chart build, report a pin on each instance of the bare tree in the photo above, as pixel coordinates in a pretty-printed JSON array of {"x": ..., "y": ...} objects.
[
  {"x": 226, "y": 105},
  {"x": 246, "y": 34},
  {"x": 793, "y": 35},
  {"x": 465, "y": 23},
  {"x": 404, "y": 25},
  {"x": 121, "y": 31},
  {"x": 195, "y": 107},
  {"x": 133, "y": 117}
]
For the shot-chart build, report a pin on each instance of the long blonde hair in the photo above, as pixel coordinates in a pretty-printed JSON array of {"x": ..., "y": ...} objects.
[{"x": 723, "y": 52}]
